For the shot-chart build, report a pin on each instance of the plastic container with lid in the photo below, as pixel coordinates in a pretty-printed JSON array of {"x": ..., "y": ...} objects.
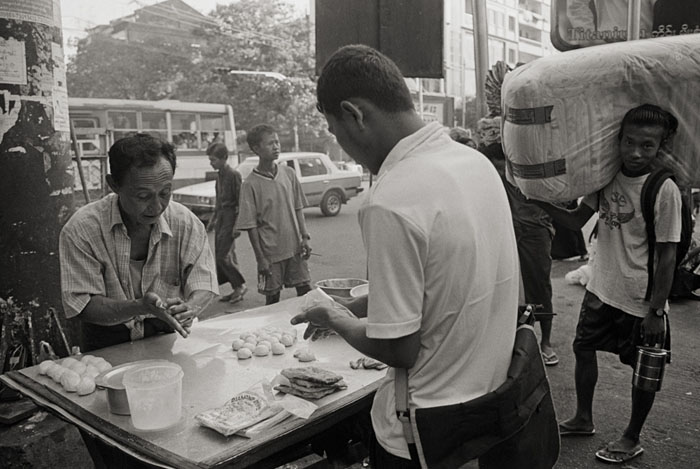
[{"x": 155, "y": 395}]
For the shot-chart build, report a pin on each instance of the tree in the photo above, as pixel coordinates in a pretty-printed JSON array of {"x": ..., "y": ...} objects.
[
  {"x": 109, "y": 68},
  {"x": 259, "y": 35}
]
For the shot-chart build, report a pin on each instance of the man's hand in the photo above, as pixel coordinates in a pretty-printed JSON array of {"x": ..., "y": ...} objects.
[
  {"x": 653, "y": 329},
  {"x": 305, "y": 249},
  {"x": 318, "y": 317},
  {"x": 183, "y": 312},
  {"x": 161, "y": 310},
  {"x": 264, "y": 267}
]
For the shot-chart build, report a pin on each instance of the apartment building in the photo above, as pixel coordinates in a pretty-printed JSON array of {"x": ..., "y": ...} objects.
[{"x": 518, "y": 31}]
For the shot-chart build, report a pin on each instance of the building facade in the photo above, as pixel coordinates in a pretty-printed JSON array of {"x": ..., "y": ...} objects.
[{"x": 518, "y": 31}]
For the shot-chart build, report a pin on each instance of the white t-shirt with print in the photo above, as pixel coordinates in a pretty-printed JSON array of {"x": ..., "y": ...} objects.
[
  {"x": 620, "y": 269},
  {"x": 442, "y": 260}
]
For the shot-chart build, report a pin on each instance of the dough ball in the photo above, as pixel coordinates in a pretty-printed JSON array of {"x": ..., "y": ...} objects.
[
  {"x": 45, "y": 366},
  {"x": 102, "y": 365},
  {"x": 92, "y": 371},
  {"x": 68, "y": 361},
  {"x": 266, "y": 343},
  {"x": 265, "y": 338},
  {"x": 237, "y": 344},
  {"x": 276, "y": 335},
  {"x": 244, "y": 353},
  {"x": 306, "y": 356},
  {"x": 78, "y": 367},
  {"x": 250, "y": 345},
  {"x": 278, "y": 349},
  {"x": 274, "y": 340},
  {"x": 70, "y": 380},
  {"x": 251, "y": 338},
  {"x": 87, "y": 359},
  {"x": 56, "y": 372},
  {"x": 286, "y": 340},
  {"x": 262, "y": 351},
  {"x": 86, "y": 386}
]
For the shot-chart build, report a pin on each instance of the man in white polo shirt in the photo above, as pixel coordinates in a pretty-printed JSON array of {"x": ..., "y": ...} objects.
[{"x": 441, "y": 253}]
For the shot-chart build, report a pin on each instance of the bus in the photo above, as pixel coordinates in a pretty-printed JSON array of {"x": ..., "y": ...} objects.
[{"x": 190, "y": 127}]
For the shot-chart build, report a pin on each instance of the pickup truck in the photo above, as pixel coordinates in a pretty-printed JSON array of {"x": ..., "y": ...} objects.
[{"x": 323, "y": 184}]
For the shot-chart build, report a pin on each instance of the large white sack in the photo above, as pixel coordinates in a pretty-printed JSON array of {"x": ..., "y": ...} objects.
[{"x": 562, "y": 113}]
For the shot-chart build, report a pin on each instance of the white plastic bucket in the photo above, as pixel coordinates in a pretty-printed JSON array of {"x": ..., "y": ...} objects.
[{"x": 155, "y": 395}]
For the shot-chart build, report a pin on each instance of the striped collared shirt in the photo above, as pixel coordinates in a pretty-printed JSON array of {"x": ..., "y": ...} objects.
[{"x": 95, "y": 251}]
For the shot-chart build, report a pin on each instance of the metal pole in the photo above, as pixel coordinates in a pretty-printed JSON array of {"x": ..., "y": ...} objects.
[
  {"x": 634, "y": 10},
  {"x": 420, "y": 98},
  {"x": 481, "y": 54}
]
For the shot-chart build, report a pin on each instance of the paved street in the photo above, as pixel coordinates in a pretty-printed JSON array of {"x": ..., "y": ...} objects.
[{"x": 671, "y": 435}]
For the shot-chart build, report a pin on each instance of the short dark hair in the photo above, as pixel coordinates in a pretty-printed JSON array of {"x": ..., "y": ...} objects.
[
  {"x": 460, "y": 135},
  {"x": 218, "y": 150},
  {"x": 256, "y": 134},
  {"x": 358, "y": 71},
  {"x": 138, "y": 151},
  {"x": 650, "y": 115}
]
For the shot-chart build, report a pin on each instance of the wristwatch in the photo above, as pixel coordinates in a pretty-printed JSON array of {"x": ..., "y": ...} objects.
[
  {"x": 306, "y": 236},
  {"x": 659, "y": 312}
]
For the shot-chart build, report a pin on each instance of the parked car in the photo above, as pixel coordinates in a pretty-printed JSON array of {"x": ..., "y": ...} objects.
[{"x": 323, "y": 184}]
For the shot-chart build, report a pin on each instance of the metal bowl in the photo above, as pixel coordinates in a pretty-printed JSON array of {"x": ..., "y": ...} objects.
[
  {"x": 340, "y": 286},
  {"x": 111, "y": 380}
]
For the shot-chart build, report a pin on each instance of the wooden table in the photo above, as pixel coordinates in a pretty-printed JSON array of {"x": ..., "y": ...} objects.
[{"x": 212, "y": 375}]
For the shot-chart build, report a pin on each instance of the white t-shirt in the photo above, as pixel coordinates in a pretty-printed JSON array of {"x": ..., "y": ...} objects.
[
  {"x": 442, "y": 259},
  {"x": 620, "y": 268}
]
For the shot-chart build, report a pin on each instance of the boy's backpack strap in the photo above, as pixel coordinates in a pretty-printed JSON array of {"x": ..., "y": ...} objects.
[{"x": 650, "y": 190}]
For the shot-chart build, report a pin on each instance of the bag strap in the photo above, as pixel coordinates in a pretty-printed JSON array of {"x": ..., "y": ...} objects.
[
  {"x": 650, "y": 190},
  {"x": 402, "y": 411}
]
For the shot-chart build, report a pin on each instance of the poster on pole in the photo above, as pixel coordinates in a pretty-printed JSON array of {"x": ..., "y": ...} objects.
[
  {"x": 34, "y": 11},
  {"x": 13, "y": 62},
  {"x": 584, "y": 23},
  {"x": 59, "y": 91}
]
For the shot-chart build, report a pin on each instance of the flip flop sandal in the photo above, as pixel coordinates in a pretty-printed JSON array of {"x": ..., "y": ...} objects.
[
  {"x": 565, "y": 430},
  {"x": 550, "y": 360},
  {"x": 618, "y": 456}
]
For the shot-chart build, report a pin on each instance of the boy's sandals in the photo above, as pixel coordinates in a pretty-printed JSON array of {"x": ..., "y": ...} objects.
[
  {"x": 614, "y": 454},
  {"x": 235, "y": 296},
  {"x": 568, "y": 430},
  {"x": 238, "y": 296},
  {"x": 551, "y": 359}
]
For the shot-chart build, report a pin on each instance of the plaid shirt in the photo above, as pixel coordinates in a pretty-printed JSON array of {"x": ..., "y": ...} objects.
[{"x": 94, "y": 252}]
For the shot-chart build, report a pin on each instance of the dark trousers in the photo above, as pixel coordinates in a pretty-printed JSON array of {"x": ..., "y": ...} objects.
[
  {"x": 532, "y": 447},
  {"x": 227, "y": 269}
]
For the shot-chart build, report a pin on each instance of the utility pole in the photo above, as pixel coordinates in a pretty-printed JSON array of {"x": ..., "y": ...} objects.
[
  {"x": 36, "y": 182},
  {"x": 634, "y": 10},
  {"x": 481, "y": 54}
]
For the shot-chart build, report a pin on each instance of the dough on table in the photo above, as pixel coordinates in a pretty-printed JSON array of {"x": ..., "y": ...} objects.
[
  {"x": 70, "y": 380},
  {"x": 45, "y": 366},
  {"x": 86, "y": 386},
  {"x": 237, "y": 344},
  {"x": 244, "y": 353},
  {"x": 278, "y": 349},
  {"x": 262, "y": 351}
]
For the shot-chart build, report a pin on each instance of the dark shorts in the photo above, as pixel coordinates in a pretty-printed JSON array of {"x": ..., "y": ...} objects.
[
  {"x": 608, "y": 329},
  {"x": 534, "y": 246},
  {"x": 288, "y": 273}
]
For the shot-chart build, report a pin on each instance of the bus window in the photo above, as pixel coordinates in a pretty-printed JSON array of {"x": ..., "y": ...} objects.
[
  {"x": 212, "y": 129},
  {"x": 184, "y": 131},
  {"x": 154, "y": 123},
  {"x": 89, "y": 140},
  {"x": 122, "y": 123}
]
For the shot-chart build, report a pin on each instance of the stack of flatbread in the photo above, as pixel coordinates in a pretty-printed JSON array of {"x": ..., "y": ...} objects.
[{"x": 310, "y": 382}]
